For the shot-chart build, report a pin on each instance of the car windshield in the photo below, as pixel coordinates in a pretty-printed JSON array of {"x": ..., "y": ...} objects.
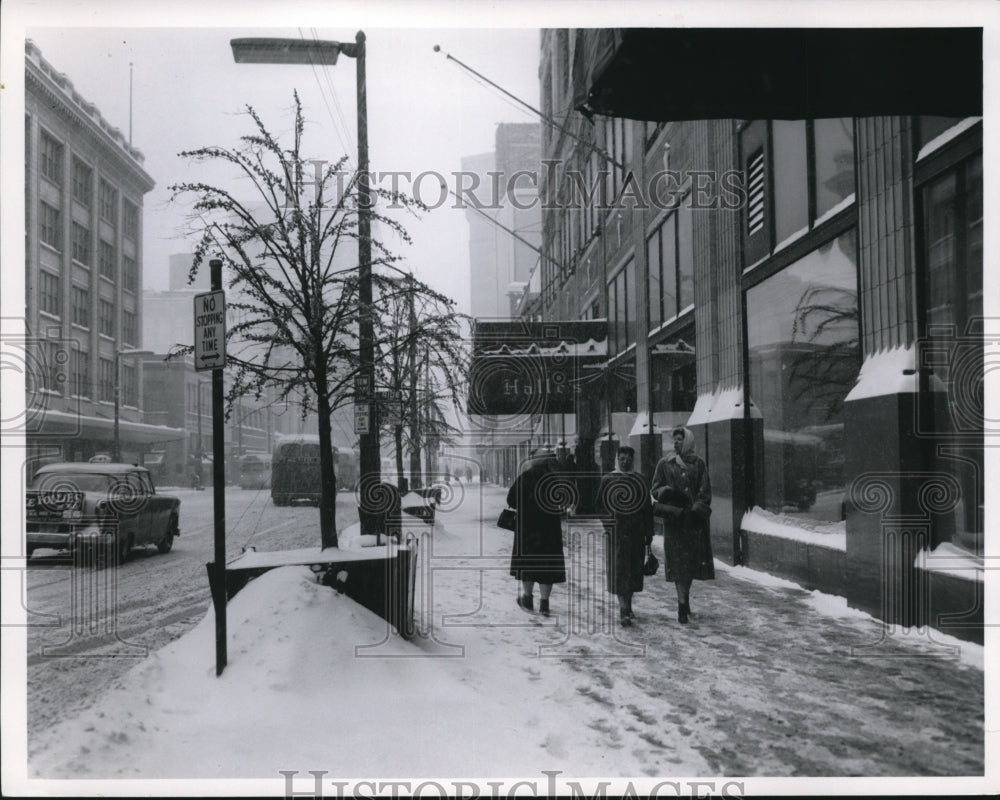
[{"x": 80, "y": 482}]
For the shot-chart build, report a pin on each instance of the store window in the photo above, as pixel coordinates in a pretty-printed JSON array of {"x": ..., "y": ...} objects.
[
  {"x": 797, "y": 172},
  {"x": 803, "y": 343},
  {"x": 953, "y": 341}
]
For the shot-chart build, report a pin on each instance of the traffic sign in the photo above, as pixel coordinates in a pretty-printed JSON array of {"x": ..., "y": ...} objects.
[
  {"x": 210, "y": 330},
  {"x": 362, "y": 418}
]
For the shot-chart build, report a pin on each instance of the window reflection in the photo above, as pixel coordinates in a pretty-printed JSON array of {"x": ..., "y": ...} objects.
[
  {"x": 834, "y": 144},
  {"x": 802, "y": 328},
  {"x": 953, "y": 287},
  {"x": 791, "y": 197}
]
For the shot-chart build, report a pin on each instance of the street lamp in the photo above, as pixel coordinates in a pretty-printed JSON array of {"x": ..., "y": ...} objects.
[
  {"x": 118, "y": 391},
  {"x": 300, "y": 51}
]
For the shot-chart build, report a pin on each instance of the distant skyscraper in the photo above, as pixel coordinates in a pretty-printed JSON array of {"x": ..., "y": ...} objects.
[{"x": 501, "y": 264}]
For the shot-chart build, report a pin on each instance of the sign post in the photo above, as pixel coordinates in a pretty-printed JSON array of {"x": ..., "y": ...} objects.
[{"x": 210, "y": 353}]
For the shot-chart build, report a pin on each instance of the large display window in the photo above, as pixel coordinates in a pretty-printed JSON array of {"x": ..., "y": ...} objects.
[
  {"x": 804, "y": 357},
  {"x": 952, "y": 346}
]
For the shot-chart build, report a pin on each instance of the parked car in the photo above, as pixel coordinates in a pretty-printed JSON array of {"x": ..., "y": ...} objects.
[{"x": 106, "y": 508}]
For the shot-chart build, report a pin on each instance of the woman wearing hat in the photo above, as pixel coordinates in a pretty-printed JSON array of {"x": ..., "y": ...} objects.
[
  {"x": 537, "y": 555},
  {"x": 682, "y": 496},
  {"x": 627, "y": 513}
]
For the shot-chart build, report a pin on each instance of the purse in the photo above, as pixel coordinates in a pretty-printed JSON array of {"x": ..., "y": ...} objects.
[
  {"x": 507, "y": 519},
  {"x": 652, "y": 565}
]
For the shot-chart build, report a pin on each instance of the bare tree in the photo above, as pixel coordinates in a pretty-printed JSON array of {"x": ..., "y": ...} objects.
[
  {"x": 420, "y": 330},
  {"x": 293, "y": 269}
]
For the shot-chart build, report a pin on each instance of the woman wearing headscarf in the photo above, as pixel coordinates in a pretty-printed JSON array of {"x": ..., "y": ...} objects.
[
  {"x": 682, "y": 496},
  {"x": 627, "y": 513},
  {"x": 537, "y": 556}
]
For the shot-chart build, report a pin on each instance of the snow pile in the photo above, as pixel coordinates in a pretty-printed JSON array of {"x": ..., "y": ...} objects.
[
  {"x": 889, "y": 371},
  {"x": 948, "y": 559},
  {"x": 832, "y": 535},
  {"x": 297, "y": 662},
  {"x": 721, "y": 404}
]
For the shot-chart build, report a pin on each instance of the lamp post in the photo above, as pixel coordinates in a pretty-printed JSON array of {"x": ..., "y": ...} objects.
[
  {"x": 118, "y": 392},
  {"x": 300, "y": 51}
]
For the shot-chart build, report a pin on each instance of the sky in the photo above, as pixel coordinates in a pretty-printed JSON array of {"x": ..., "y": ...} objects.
[
  {"x": 313, "y": 684},
  {"x": 424, "y": 113}
]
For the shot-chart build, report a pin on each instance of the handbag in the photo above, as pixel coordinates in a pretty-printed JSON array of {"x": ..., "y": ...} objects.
[
  {"x": 507, "y": 519},
  {"x": 652, "y": 564}
]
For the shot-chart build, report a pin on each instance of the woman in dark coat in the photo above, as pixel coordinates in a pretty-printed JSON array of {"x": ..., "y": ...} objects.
[
  {"x": 627, "y": 513},
  {"x": 537, "y": 555},
  {"x": 682, "y": 496}
]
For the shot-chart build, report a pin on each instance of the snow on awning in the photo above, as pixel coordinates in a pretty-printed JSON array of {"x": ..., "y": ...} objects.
[
  {"x": 47, "y": 422},
  {"x": 520, "y": 367}
]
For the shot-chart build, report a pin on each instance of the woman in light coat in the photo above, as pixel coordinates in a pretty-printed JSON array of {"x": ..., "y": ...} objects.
[{"x": 682, "y": 496}]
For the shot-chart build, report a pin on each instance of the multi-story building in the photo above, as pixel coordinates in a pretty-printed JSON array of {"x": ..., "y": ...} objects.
[
  {"x": 805, "y": 294},
  {"x": 505, "y": 232},
  {"x": 84, "y": 191}
]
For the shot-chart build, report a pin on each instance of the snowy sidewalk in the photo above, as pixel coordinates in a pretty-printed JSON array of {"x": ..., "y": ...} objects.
[{"x": 768, "y": 680}]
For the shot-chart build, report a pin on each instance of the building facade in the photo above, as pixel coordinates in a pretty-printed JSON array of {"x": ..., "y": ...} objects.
[
  {"x": 84, "y": 189},
  {"x": 505, "y": 229},
  {"x": 805, "y": 295}
]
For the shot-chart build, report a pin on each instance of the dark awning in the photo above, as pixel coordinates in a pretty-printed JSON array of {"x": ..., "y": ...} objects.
[
  {"x": 521, "y": 367},
  {"x": 666, "y": 74}
]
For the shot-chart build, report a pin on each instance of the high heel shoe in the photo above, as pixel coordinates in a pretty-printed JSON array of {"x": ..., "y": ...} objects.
[{"x": 543, "y": 606}]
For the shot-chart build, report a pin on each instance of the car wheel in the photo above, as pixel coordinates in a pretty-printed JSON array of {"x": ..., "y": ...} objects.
[
  {"x": 124, "y": 549},
  {"x": 167, "y": 542}
]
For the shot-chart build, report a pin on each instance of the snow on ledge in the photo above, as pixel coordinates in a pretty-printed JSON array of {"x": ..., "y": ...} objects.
[
  {"x": 642, "y": 425},
  {"x": 721, "y": 404},
  {"x": 832, "y": 535},
  {"x": 947, "y": 559},
  {"x": 845, "y": 203},
  {"x": 889, "y": 371},
  {"x": 940, "y": 141}
]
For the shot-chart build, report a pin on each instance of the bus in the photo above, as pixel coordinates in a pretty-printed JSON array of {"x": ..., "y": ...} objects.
[
  {"x": 255, "y": 471},
  {"x": 348, "y": 468},
  {"x": 295, "y": 471}
]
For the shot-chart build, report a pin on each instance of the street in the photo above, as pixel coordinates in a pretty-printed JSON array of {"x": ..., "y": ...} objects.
[
  {"x": 766, "y": 680},
  {"x": 76, "y": 646}
]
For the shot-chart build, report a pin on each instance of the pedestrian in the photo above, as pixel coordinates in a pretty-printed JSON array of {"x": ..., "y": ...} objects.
[
  {"x": 537, "y": 555},
  {"x": 682, "y": 496},
  {"x": 623, "y": 500},
  {"x": 566, "y": 467}
]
